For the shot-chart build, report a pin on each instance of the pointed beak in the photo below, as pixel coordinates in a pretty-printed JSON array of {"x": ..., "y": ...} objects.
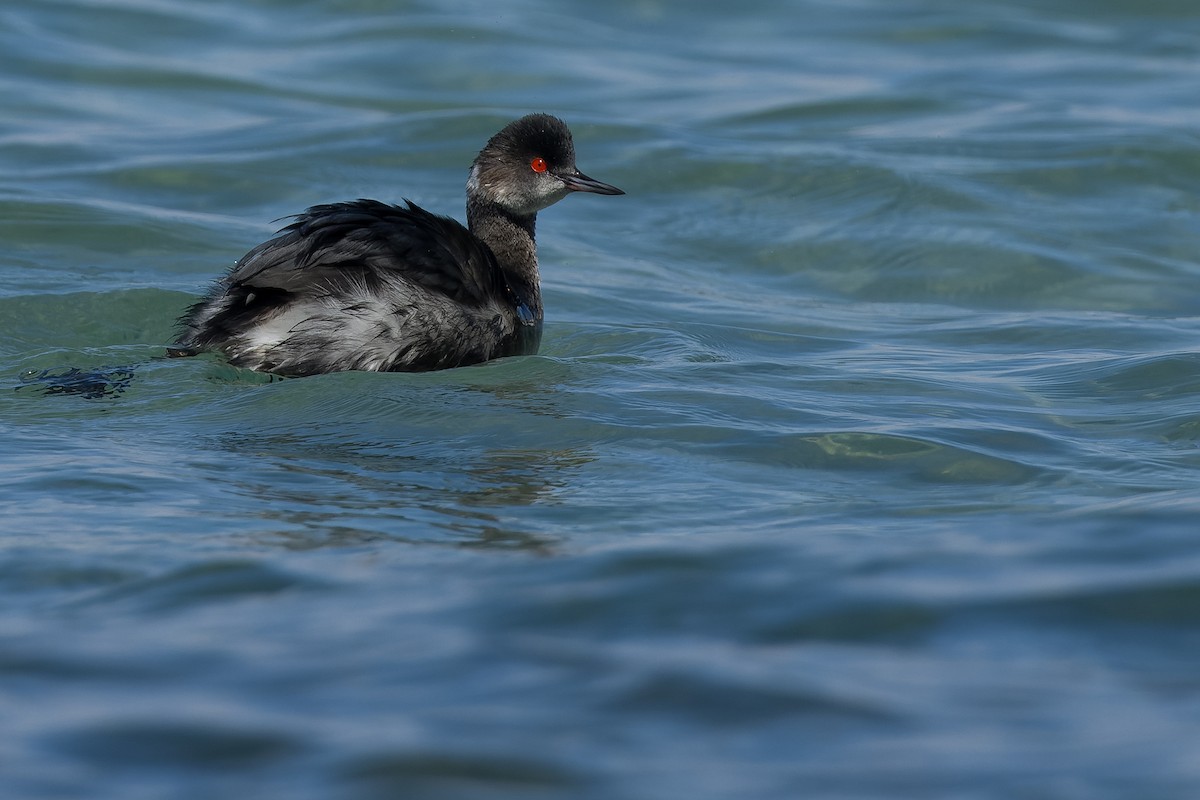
[{"x": 576, "y": 181}]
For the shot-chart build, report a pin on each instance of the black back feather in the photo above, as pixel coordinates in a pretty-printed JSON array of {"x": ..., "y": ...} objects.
[
  {"x": 367, "y": 241},
  {"x": 329, "y": 249}
]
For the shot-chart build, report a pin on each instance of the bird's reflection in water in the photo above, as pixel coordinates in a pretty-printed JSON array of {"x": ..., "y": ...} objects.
[{"x": 322, "y": 495}]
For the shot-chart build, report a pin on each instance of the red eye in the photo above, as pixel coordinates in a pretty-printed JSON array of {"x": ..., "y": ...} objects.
[{"x": 538, "y": 164}]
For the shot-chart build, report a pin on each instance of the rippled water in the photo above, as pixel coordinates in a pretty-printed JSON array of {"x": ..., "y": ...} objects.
[{"x": 860, "y": 459}]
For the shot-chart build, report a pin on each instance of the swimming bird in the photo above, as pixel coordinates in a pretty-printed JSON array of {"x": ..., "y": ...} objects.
[{"x": 366, "y": 285}]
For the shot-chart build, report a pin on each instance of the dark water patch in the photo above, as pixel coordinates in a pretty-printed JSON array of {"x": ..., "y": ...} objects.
[
  {"x": 895, "y": 622},
  {"x": 40, "y": 667},
  {"x": 193, "y": 746},
  {"x": 723, "y": 702},
  {"x": 200, "y": 585},
  {"x": 92, "y": 384},
  {"x": 23, "y": 572},
  {"x": 451, "y": 774},
  {"x": 1160, "y": 605}
]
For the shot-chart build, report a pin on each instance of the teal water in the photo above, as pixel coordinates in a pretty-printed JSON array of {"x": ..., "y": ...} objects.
[{"x": 860, "y": 459}]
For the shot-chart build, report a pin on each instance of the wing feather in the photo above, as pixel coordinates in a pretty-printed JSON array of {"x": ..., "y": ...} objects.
[
  {"x": 343, "y": 249},
  {"x": 367, "y": 240}
]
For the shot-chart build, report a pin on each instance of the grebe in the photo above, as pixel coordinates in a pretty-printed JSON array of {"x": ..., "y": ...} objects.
[{"x": 365, "y": 285}]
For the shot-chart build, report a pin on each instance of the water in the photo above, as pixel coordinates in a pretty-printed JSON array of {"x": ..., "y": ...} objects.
[{"x": 860, "y": 459}]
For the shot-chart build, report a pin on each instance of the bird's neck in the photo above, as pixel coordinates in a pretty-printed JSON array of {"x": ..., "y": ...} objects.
[{"x": 511, "y": 240}]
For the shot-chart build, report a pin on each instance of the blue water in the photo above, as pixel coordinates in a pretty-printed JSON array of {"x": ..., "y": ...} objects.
[{"x": 860, "y": 459}]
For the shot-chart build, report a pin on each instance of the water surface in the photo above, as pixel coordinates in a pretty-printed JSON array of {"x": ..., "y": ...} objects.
[{"x": 859, "y": 460}]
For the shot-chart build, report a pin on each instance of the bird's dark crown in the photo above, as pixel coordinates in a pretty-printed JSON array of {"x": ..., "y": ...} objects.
[{"x": 532, "y": 135}]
